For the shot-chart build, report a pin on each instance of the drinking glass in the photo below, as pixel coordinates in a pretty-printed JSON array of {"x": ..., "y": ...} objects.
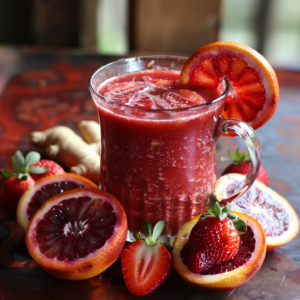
[{"x": 160, "y": 163}]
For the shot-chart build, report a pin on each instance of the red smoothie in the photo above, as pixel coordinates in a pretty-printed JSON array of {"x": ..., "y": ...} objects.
[{"x": 158, "y": 150}]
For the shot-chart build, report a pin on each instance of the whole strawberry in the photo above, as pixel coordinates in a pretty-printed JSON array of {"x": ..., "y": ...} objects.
[
  {"x": 214, "y": 239},
  {"x": 16, "y": 183},
  {"x": 240, "y": 163},
  {"x": 146, "y": 263},
  {"x": 52, "y": 169}
]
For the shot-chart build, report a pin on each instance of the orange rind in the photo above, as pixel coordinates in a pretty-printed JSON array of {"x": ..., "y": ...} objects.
[
  {"x": 276, "y": 215},
  {"x": 226, "y": 281},
  {"x": 254, "y": 92},
  {"x": 77, "y": 234}
]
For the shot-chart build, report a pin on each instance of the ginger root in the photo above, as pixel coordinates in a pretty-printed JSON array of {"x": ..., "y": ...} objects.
[
  {"x": 64, "y": 146},
  {"x": 90, "y": 131}
]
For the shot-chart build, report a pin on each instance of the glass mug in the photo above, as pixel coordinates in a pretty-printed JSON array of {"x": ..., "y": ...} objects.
[{"x": 160, "y": 164}]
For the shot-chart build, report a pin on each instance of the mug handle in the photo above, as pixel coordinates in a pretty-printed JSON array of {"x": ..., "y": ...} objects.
[{"x": 235, "y": 190}]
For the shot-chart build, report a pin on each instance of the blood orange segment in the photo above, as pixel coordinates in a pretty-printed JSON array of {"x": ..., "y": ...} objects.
[
  {"x": 227, "y": 275},
  {"x": 277, "y": 217},
  {"x": 254, "y": 92},
  {"x": 45, "y": 188},
  {"x": 77, "y": 234}
]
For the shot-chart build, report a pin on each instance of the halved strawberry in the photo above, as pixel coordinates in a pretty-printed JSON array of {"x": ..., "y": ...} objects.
[{"x": 146, "y": 263}]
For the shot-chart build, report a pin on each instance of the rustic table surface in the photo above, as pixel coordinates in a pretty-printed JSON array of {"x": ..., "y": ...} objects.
[{"x": 41, "y": 89}]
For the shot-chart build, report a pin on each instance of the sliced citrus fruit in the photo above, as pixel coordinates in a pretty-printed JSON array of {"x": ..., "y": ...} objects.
[
  {"x": 228, "y": 275},
  {"x": 276, "y": 215},
  {"x": 77, "y": 234},
  {"x": 45, "y": 188},
  {"x": 254, "y": 92}
]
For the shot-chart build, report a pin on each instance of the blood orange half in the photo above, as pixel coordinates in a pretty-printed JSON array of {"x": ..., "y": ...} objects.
[
  {"x": 275, "y": 214},
  {"x": 254, "y": 92},
  {"x": 77, "y": 234},
  {"x": 227, "y": 275},
  {"x": 45, "y": 188}
]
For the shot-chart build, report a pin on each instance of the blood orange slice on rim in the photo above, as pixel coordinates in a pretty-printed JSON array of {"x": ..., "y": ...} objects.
[
  {"x": 77, "y": 234},
  {"x": 227, "y": 275},
  {"x": 45, "y": 188},
  {"x": 254, "y": 92},
  {"x": 275, "y": 214}
]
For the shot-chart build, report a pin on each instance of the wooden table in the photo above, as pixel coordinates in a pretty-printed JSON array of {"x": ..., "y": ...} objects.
[{"x": 41, "y": 89}]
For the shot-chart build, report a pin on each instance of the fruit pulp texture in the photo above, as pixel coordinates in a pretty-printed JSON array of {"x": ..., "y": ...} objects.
[
  {"x": 164, "y": 168},
  {"x": 46, "y": 192},
  {"x": 75, "y": 228}
]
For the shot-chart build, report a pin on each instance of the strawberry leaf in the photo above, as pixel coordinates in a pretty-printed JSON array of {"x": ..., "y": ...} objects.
[
  {"x": 158, "y": 229},
  {"x": 232, "y": 217},
  {"x": 226, "y": 208},
  {"x": 222, "y": 215},
  {"x": 7, "y": 174},
  {"x": 240, "y": 225},
  {"x": 15, "y": 166},
  {"x": 168, "y": 246},
  {"x": 38, "y": 170},
  {"x": 236, "y": 157},
  {"x": 19, "y": 160},
  {"x": 32, "y": 158},
  {"x": 205, "y": 215},
  {"x": 215, "y": 209},
  {"x": 137, "y": 236},
  {"x": 147, "y": 227}
]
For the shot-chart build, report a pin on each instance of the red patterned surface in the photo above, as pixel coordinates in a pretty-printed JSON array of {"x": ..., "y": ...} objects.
[{"x": 40, "y": 90}]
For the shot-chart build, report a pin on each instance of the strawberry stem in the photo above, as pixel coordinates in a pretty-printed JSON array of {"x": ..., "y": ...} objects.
[
  {"x": 152, "y": 235},
  {"x": 236, "y": 157},
  {"x": 22, "y": 165},
  {"x": 216, "y": 211}
]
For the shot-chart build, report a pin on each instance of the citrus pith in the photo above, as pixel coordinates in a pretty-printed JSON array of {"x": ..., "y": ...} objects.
[
  {"x": 276, "y": 215},
  {"x": 254, "y": 92},
  {"x": 77, "y": 234},
  {"x": 45, "y": 188},
  {"x": 218, "y": 279}
]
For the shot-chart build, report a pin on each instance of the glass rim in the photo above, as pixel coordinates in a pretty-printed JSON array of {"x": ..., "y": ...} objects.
[{"x": 153, "y": 57}]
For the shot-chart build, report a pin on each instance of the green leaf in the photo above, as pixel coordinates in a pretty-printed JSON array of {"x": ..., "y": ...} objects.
[
  {"x": 147, "y": 227},
  {"x": 205, "y": 215},
  {"x": 38, "y": 170},
  {"x": 137, "y": 236},
  {"x": 222, "y": 215},
  {"x": 19, "y": 160},
  {"x": 226, "y": 208},
  {"x": 232, "y": 217},
  {"x": 231, "y": 154},
  {"x": 7, "y": 174},
  {"x": 215, "y": 209},
  {"x": 168, "y": 246},
  {"x": 158, "y": 229},
  {"x": 16, "y": 168},
  {"x": 240, "y": 225},
  {"x": 32, "y": 158},
  {"x": 225, "y": 159}
]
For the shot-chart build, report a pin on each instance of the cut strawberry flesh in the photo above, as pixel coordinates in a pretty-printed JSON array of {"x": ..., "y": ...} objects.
[
  {"x": 247, "y": 96},
  {"x": 46, "y": 192},
  {"x": 244, "y": 253},
  {"x": 75, "y": 228}
]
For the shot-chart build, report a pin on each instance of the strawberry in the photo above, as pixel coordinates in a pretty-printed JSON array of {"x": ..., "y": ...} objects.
[
  {"x": 214, "y": 239},
  {"x": 52, "y": 169},
  {"x": 240, "y": 163},
  {"x": 146, "y": 263},
  {"x": 16, "y": 183}
]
